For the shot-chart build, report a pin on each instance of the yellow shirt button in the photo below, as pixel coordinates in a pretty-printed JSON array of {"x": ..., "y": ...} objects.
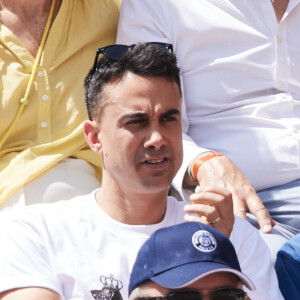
[
  {"x": 45, "y": 97},
  {"x": 40, "y": 73}
]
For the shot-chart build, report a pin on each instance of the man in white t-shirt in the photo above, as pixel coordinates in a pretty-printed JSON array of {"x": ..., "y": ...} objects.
[{"x": 85, "y": 248}]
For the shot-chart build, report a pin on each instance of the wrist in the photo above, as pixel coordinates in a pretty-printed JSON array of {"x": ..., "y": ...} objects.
[{"x": 200, "y": 159}]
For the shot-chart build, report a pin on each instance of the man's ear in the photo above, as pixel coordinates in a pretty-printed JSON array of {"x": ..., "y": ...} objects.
[{"x": 91, "y": 133}]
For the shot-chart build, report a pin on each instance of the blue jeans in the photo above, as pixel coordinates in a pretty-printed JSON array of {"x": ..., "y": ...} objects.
[{"x": 283, "y": 204}]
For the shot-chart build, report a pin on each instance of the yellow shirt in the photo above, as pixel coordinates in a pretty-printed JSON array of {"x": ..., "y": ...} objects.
[{"x": 50, "y": 128}]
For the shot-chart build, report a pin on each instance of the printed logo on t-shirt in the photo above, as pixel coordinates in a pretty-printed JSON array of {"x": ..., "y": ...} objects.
[{"x": 110, "y": 289}]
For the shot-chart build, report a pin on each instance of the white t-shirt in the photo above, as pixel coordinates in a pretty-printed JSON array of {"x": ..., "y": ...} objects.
[
  {"x": 240, "y": 75},
  {"x": 72, "y": 247}
]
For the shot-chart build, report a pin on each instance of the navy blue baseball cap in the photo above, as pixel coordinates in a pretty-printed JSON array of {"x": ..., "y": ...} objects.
[{"x": 177, "y": 256}]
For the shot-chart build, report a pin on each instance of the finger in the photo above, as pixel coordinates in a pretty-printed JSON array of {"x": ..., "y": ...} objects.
[
  {"x": 209, "y": 215},
  {"x": 262, "y": 215},
  {"x": 202, "y": 210},
  {"x": 213, "y": 189},
  {"x": 217, "y": 223},
  {"x": 219, "y": 198},
  {"x": 239, "y": 209},
  {"x": 239, "y": 206},
  {"x": 207, "y": 198},
  {"x": 211, "y": 196},
  {"x": 202, "y": 219},
  {"x": 196, "y": 218}
]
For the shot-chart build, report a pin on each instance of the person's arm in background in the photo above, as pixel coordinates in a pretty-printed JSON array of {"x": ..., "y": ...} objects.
[
  {"x": 142, "y": 21},
  {"x": 255, "y": 260}
]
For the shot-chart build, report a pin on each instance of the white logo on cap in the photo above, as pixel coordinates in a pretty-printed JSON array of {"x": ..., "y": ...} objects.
[{"x": 204, "y": 241}]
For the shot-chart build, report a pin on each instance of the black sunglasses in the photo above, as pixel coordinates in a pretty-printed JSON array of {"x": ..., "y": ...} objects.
[
  {"x": 115, "y": 52},
  {"x": 216, "y": 294}
]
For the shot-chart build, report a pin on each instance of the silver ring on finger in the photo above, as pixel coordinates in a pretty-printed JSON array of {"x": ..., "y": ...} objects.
[{"x": 215, "y": 221}]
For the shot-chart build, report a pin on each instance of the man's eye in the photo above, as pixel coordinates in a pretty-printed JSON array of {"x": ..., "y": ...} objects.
[{"x": 169, "y": 119}]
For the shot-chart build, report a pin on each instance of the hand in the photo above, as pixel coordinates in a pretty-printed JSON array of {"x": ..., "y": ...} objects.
[
  {"x": 213, "y": 206},
  {"x": 220, "y": 171}
]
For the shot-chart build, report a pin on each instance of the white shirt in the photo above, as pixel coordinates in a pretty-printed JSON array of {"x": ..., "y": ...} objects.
[
  {"x": 72, "y": 247},
  {"x": 240, "y": 75}
]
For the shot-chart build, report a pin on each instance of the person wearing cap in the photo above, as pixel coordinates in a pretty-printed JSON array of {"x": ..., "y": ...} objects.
[
  {"x": 185, "y": 260},
  {"x": 85, "y": 248}
]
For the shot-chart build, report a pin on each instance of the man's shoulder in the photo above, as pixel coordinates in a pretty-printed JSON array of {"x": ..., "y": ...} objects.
[
  {"x": 245, "y": 236},
  {"x": 51, "y": 213}
]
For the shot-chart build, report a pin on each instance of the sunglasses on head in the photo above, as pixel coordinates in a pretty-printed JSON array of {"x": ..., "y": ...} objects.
[
  {"x": 115, "y": 52},
  {"x": 215, "y": 294}
]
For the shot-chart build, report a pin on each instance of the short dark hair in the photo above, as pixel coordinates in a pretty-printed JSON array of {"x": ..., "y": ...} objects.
[{"x": 144, "y": 59}]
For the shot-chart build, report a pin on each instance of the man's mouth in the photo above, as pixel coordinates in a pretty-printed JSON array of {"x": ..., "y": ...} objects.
[{"x": 155, "y": 161}]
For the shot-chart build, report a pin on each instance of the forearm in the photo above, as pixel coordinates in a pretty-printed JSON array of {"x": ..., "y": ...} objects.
[{"x": 31, "y": 293}]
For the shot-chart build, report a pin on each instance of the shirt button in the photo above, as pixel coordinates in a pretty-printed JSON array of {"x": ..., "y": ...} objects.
[
  {"x": 279, "y": 39},
  {"x": 280, "y": 84},
  {"x": 295, "y": 130},
  {"x": 45, "y": 97},
  {"x": 40, "y": 73},
  {"x": 44, "y": 124}
]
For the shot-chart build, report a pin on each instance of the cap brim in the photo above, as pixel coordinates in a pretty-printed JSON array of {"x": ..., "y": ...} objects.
[{"x": 184, "y": 275}]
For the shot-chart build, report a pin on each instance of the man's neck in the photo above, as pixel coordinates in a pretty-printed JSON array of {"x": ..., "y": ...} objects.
[
  {"x": 25, "y": 7},
  {"x": 132, "y": 208},
  {"x": 27, "y": 20}
]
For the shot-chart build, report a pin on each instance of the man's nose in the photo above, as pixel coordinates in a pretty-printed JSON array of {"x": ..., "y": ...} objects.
[{"x": 155, "y": 139}]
